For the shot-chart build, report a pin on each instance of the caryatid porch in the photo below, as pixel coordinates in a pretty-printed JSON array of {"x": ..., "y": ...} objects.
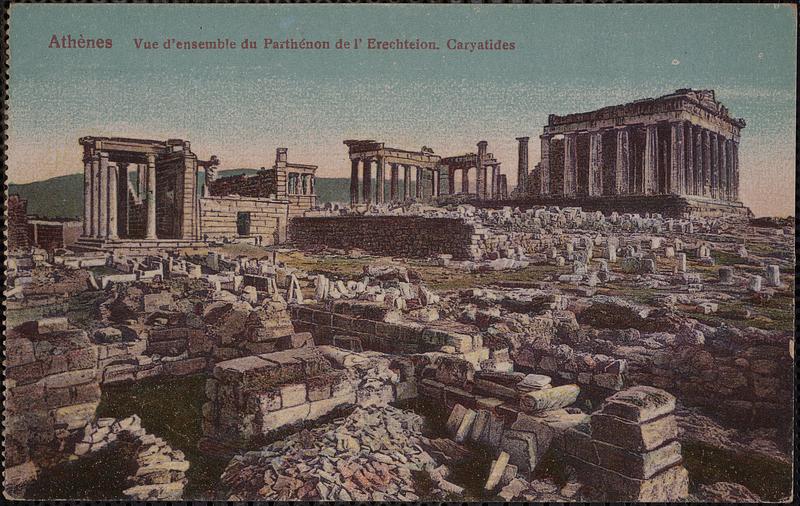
[
  {"x": 682, "y": 144},
  {"x": 364, "y": 154},
  {"x": 160, "y": 203}
]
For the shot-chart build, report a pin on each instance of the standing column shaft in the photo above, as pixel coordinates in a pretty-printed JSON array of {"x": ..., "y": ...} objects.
[
  {"x": 103, "y": 211},
  {"x": 394, "y": 180},
  {"x": 151, "y": 197},
  {"x": 595, "y": 164},
  {"x": 688, "y": 168},
  {"x": 675, "y": 179},
  {"x": 723, "y": 169},
  {"x": 544, "y": 166},
  {"x": 493, "y": 193},
  {"x": 622, "y": 165},
  {"x": 706, "y": 163},
  {"x": 570, "y": 163},
  {"x": 112, "y": 202},
  {"x": 735, "y": 159},
  {"x": 418, "y": 183},
  {"x": 699, "y": 171},
  {"x": 87, "y": 197},
  {"x": 380, "y": 181},
  {"x": 522, "y": 164},
  {"x": 95, "y": 221},
  {"x": 354, "y": 182},
  {"x": 451, "y": 181},
  {"x": 714, "y": 165},
  {"x": 366, "y": 182},
  {"x": 141, "y": 181},
  {"x": 650, "y": 160},
  {"x": 465, "y": 180},
  {"x": 406, "y": 182}
]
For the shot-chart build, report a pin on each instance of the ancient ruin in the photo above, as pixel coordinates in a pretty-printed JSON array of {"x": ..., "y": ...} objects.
[{"x": 684, "y": 145}]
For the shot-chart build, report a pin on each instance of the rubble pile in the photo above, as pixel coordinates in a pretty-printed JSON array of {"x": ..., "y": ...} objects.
[
  {"x": 369, "y": 456},
  {"x": 160, "y": 470}
]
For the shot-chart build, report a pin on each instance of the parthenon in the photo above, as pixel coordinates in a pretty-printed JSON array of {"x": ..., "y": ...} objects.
[
  {"x": 684, "y": 144},
  {"x": 428, "y": 168}
]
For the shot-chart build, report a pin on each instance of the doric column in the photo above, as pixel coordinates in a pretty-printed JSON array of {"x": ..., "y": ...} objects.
[
  {"x": 380, "y": 180},
  {"x": 366, "y": 182},
  {"x": 141, "y": 181},
  {"x": 493, "y": 193},
  {"x": 465, "y": 180},
  {"x": 650, "y": 160},
  {"x": 87, "y": 197},
  {"x": 418, "y": 190},
  {"x": 354, "y": 181},
  {"x": 451, "y": 181},
  {"x": 112, "y": 202},
  {"x": 544, "y": 165},
  {"x": 437, "y": 182},
  {"x": 394, "y": 180},
  {"x": 735, "y": 160},
  {"x": 622, "y": 166},
  {"x": 723, "y": 169},
  {"x": 570, "y": 163},
  {"x": 699, "y": 161},
  {"x": 103, "y": 210},
  {"x": 706, "y": 163},
  {"x": 595, "y": 163},
  {"x": 522, "y": 163},
  {"x": 714, "y": 165},
  {"x": 95, "y": 232},
  {"x": 406, "y": 182},
  {"x": 151, "y": 197},
  {"x": 688, "y": 168},
  {"x": 675, "y": 179}
]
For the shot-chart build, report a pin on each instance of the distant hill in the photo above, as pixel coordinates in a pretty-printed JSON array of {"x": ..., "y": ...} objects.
[{"x": 62, "y": 197}]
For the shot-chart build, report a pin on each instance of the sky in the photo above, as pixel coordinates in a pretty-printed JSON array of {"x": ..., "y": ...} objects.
[{"x": 240, "y": 104}]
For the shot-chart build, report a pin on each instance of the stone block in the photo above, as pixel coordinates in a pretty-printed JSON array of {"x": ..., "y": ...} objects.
[
  {"x": 639, "y": 404},
  {"x": 292, "y": 395},
  {"x": 636, "y": 464},
  {"x": 671, "y": 485},
  {"x": 633, "y": 436},
  {"x": 286, "y": 416}
]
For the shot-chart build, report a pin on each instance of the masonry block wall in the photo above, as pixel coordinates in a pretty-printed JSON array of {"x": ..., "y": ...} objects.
[
  {"x": 218, "y": 217},
  {"x": 17, "y": 222},
  {"x": 408, "y": 236},
  {"x": 263, "y": 184}
]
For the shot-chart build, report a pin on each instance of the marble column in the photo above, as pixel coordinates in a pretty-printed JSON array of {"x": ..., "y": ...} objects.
[
  {"x": 437, "y": 182},
  {"x": 699, "y": 163},
  {"x": 141, "y": 181},
  {"x": 380, "y": 179},
  {"x": 122, "y": 196},
  {"x": 465, "y": 180},
  {"x": 494, "y": 181},
  {"x": 522, "y": 163},
  {"x": 103, "y": 210},
  {"x": 420, "y": 175},
  {"x": 688, "y": 167},
  {"x": 622, "y": 165},
  {"x": 406, "y": 182},
  {"x": 650, "y": 160},
  {"x": 354, "y": 181},
  {"x": 735, "y": 160},
  {"x": 366, "y": 182},
  {"x": 675, "y": 179},
  {"x": 394, "y": 180},
  {"x": 723, "y": 168},
  {"x": 544, "y": 165},
  {"x": 595, "y": 164},
  {"x": 570, "y": 163},
  {"x": 714, "y": 165},
  {"x": 87, "y": 197},
  {"x": 112, "y": 203},
  {"x": 451, "y": 181},
  {"x": 95, "y": 195},
  {"x": 151, "y": 198},
  {"x": 706, "y": 163}
]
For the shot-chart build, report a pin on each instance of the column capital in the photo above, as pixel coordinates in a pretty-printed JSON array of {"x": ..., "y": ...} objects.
[{"x": 523, "y": 139}]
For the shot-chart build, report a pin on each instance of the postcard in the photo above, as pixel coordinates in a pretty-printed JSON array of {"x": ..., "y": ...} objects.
[{"x": 400, "y": 253}]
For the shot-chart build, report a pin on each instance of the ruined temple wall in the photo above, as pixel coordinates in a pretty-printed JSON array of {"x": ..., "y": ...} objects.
[
  {"x": 262, "y": 185},
  {"x": 17, "y": 222},
  {"x": 408, "y": 236},
  {"x": 218, "y": 217}
]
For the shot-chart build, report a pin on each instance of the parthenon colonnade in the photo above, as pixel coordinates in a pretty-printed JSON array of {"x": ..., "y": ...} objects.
[{"x": 681, "y": 144}]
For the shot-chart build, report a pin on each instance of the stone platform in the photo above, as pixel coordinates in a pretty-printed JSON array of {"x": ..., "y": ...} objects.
[
  {"x": 134, "y": 246},
  {"x": 674, "y": 206}
]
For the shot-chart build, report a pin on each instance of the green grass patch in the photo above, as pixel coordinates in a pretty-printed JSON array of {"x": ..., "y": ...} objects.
[{"x": 770, "y": 479}]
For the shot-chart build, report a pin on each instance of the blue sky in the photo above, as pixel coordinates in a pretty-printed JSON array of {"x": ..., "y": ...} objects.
[{"x": 242, "y": 104}]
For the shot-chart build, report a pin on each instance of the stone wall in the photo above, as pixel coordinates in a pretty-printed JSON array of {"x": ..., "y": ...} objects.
[
  {"x": 260, "y": 185},
  {"x": 268, "y": 218},
  {"x": 50, "y": 235},
  {"x": 407, "y": 236},
  {"x": 52, "y": 391},
  {"x": 17, "y": 222}
]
